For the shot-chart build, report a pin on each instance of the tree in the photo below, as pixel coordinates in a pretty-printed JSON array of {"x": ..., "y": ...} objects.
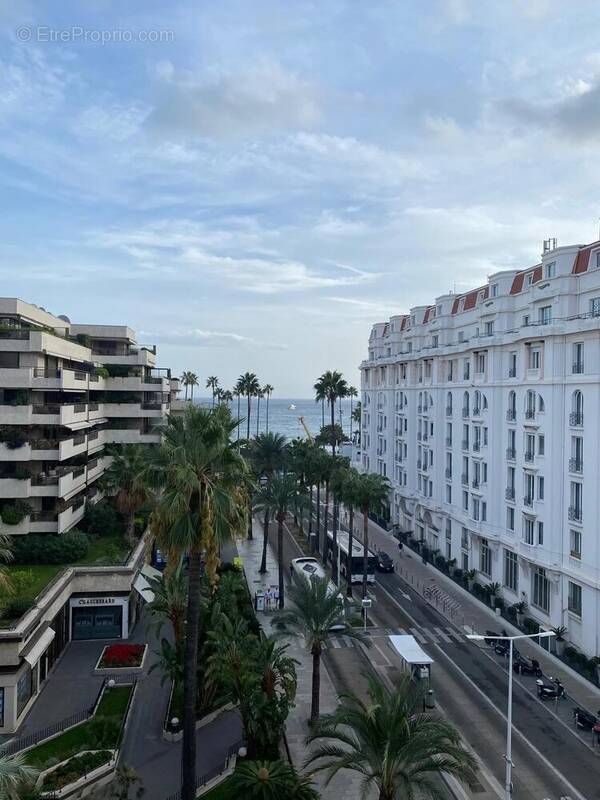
[
  {"x": 315, "y": 613},
  {"x": 357, "y": 417},
  {"x": 333, "y": 436},
  {"x": 212, "y": 383},
  {"x": 267, "y": 454},
  {"x": 6, "y": 556},
  {"x": 391, "y": 743},
  {"x": 226, "y": 396},
  {"x": 193, "y": 381},
  {"x": 259, "y": 397},
  {"x": 169, "y": 603},
  {"x": 338, "y": 478},
  {"x": 331, "y": 386},
  {"x": 279, "y": 497},
  {"x": 249, "y": 386},
  {"x": 15, "y": 776},
  {"x": 269, "y": 780},
  {"x": 317, "y": 472},
  {"x": 352, "y": 393},
  {"x": 267, "y": 392},
  {"x": 372, "y": 491},
  {"x": 127, "y": 781},
  {"x": 125, "y": 478},
  {"x": 185, "y": 380},
  {"x": 198, "y": 471},
  {"x": 347, "y": 495}
]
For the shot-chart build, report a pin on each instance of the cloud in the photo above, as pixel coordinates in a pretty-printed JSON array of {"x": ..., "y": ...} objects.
[
  {"x": 261, "y": 98},
  {"x": 196, "y": 337}
]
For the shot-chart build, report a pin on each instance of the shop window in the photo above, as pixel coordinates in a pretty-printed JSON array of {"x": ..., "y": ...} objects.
[{"x": 24, "y": 690}]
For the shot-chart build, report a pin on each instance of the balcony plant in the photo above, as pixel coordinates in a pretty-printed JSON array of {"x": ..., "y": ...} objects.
[
  {"x": 520, "y": 609},
  {"x": 595, "y": 664},
  {"x": 441, "y": 563},
  {"x": 13, "y": 437},
  {"x": 559, "y": 639},
  {"x": 452, "y": 567},
  {"x": 492, "y": 591},
  {"x": 15, "y": 513},
  {"x": 470, "y": 575}
]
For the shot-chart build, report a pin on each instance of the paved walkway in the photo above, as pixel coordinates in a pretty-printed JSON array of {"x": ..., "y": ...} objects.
[
  {"x": 345, "y": 785},
  {"x": 474, "y": 615}
]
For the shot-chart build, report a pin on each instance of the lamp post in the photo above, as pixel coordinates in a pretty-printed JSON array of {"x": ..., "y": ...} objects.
[{"x": 510, "y": 639}]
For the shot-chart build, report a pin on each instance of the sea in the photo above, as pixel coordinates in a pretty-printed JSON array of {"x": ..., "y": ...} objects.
[{"x": 284, "y": 415}]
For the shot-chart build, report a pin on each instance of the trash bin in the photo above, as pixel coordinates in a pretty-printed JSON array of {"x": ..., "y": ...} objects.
[{"x": 429, "y": 699}]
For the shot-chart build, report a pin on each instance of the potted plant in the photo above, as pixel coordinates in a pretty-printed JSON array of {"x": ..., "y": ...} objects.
[
  {"x": 440, "y": 563},
  {"x": 559, "y": 639},
  {"x": 470, "y": 573},
  {"x": 595, "y": 663},
  {"x": 492, "y": 590},
  {"x": 451, "y": 566},
  {"x": 520, "y": 609}
]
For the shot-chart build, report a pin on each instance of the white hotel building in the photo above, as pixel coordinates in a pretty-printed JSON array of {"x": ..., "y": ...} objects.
[{"x": 483, "y": 411}]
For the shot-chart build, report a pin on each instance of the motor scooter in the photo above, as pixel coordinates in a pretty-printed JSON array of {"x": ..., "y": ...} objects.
[
  {"x": 584, "y": 719},
  {"x": 550, "y": 690},
  {"x": 527, "y": 666}
]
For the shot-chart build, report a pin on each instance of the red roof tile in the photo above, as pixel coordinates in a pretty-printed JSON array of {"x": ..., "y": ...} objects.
[{"x": 582, "y": 259}]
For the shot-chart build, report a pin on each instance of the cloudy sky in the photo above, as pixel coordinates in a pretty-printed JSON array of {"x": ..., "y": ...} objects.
[{"x": 255, "y": 190}]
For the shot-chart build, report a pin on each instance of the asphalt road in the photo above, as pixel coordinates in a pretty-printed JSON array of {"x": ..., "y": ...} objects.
[{"x": 550, "y": 762}]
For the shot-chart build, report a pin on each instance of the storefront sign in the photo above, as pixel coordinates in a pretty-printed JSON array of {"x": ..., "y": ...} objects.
[{"x": 95, "y": 601}]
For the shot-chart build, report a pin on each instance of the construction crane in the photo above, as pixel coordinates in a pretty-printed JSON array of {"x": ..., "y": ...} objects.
[{"x": 305, "y": 426}]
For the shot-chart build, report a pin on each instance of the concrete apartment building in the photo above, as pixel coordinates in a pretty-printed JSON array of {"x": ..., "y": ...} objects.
[
  {"x": 482, "y": 410},
  {"x": 67, "y": 391}
]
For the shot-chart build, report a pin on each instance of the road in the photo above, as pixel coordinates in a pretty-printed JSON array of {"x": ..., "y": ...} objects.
[{"x": 550, "y": 762}]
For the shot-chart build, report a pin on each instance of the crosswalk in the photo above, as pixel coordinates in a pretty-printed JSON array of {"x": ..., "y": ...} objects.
[{"x": 433, "y": 635}]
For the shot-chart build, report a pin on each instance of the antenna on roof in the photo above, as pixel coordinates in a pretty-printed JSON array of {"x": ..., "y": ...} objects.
[{"x": 550, "y": 244}]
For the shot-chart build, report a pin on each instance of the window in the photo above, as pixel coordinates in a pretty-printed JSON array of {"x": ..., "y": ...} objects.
[
  {"x": 540, "y": 533},
  {"x": 512, "y": 365},
  {"x": 466, "y": 370},
  {"x": 510, "y": 518},
  {"x": 528, "y": 530},
  {"x": 465, "y": 499},
  {"x": 24, "y": 690},
  {"x": 577, "y": 367},
  {"x": 461, "y": 336},
  {"x": 489, "y": 328},
  {"x": 448, "y": 493},
  {"x": 511, "y": 570},
  {"x": 480, "y": 363},
  {"x": 434, "y": 340},
  {"x": 465, "y": 562},
  {"x": 541, "y": 444},
  {"x": 545, "y": 315},
  {"x": 574, "y": 604},
  {"x": 485, "y": 558},
  {"x": 494, "y": 290},
  {"x": 526, "y": 320},
  {"x": 551, "y": 269},
  {"x": 476, "y": 512},
  {"x": 464, "y": 539},
  {"x": 530, "y": 279},
  {"x": 598, "y": 259},
  {"x": 465, "y": 411},
  {"x": 541, "y": 589},
  {"x": 595, "y": 307},
  {"x": 540, "y": 487},
  {"x": 575, "y": 509},
  {"x": 534, "y": 358},
  {"x": 449, "y": 404},
  {"x": 483, "y": 511},
  {"x": 575, "y": 543}
]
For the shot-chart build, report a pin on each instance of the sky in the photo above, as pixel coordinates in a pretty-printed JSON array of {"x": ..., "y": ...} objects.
[{"x": 250, "y": 184}]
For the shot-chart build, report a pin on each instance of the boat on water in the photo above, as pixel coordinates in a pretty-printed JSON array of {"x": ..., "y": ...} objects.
[{"x": 291, "y": 407}]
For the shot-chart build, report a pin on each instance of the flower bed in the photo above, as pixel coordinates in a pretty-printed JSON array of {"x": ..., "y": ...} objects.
[
  {"x": 122, "y": 656},
  {"x": 74, "y": 769}
]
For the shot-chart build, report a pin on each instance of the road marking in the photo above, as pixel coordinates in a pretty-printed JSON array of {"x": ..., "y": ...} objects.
[{"x": 406, "y": 596}]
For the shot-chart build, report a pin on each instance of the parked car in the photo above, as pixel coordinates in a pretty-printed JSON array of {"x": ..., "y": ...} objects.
[{"x": 384, "y": 562}]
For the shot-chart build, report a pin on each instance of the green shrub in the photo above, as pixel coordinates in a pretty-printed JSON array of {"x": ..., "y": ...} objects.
[
  {"x": 13, "y": 437},
  {"x": 530, "y": 625},
  {"x": 14, "y": 513},
  {"x": 47, "y": 549},
  {"x": 74, "y": 769},
  {"x": 83, "y": 339},
  {"x": 103, "y": 519},
  {"x": 458, "y": 575},
  {"x": 16, "y": 607},
  {"x": 570, "y": 653},
  {"x": 441, "y": 564}
]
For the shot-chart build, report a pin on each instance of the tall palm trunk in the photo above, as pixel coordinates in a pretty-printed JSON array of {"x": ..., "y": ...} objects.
[
  {"x": 190, "y": 667},
  {"x": 248, "y": 422},
  {"x": 268, "y": 395},
  {"x": 318, "y": 520},
  {"x": 350, "y": 417},
  {"x": 332, "y": 427},
  {"x": 334, "y": 527},
  {"x": 316, "y": 683},
  {"x": 280, "y": 518},
  {"x": 258, "y": 415},
  {"x": 131, "y": 526},
  {"x": 249, "y": 531},
  {"x": 310, "y": 513},
  {"x": 238, "y": 414},
  {"x": 325, "y": 515},
  {"x": 365, "y": 550},
  {"x": 192, "y": 393},
  {"x": 263, "y": 561},
  {"x": 350, "y": 535},
  {"x": 323, "y": 413}
]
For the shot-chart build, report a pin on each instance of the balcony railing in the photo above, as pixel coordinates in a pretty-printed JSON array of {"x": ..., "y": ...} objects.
[
  {"x": 44, "y": 480},
  {"x": 575, "y": 465},
  {"x": 464, "y": 479},
  {"x": 577, "y": 367},
  {"x": 575, "y": 513},
  {"x": 92, "y": 435},
  {"x": 576, "y": 418},
  {"x": 44, "y": 516},
  {"x": 48, "y": 408},
  {"x": 14, "y": 333},
  {"x": 529, "y": 456},
  {"x": 465, "y": 444},
  {"x": 511, "y": 415},
  {"x": 512, "y": 372},
  {"x": 475, "y": 483},
  {"x": 511, "y": 453},
  {"x": 476, "y": 411},
  {"x": 448, "y": 473},
  {"x": 509, "y": 493},
  {"x": 476, "y": 446},
  {"x": 530, "y": 413},
  {"x": 528, "y": 501}
]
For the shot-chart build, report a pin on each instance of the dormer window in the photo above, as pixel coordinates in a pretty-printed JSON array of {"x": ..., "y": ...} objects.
[
  {"x": 439, "y": 309},
  {"x": 481, "y": 297},
  {"x": 598, "y": 260},
  {"x": 551, "y": 269},
  {"x": 494, "y": 290},
  {"x": 461, "y": 304},
  {"x": 530, "y": 279}
]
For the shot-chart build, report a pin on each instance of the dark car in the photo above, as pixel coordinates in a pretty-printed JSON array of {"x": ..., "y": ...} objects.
[{"x": 384, "y": 562}]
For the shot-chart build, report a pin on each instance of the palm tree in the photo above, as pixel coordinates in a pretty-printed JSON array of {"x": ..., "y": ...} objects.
[
  {"x": 352, "y": 393},
  {"x": 337, "y": 481},
  {"x": 267, "y": 392},
  {"x": 212, "y": 383},
  {"x": 259, "y": 395},
  {"x": 279, "y": 497},
  {"x": 328, "y": 470},
  {"x": 6, "y": 556},
  {"x": 15, "y": 776},
  {"x": 348, "y": 479},
  {"x": 266, "y": 780},
  {"x": 248, "y": 385},
  {"x": 318, "y": 470},
  {"x": 331, "y": 386},
  {"x": 226, "y": 396},
  {"x": 185, "y": 380},
  {"x": 170, "y": 602},
  {"x": 267, "y": 454},
  {"x": 372, "y": 491},
  {"x": 198, "y": 471},
  {"x": 237, "y": 393},
  {"x": 314, "y": 613},
  {"x": 391, "y": 743},
  {"x": 125, "y": 478},
  {"x": 193, "y": 381}
]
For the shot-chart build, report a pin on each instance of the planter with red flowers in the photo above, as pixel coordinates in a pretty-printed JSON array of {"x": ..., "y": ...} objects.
[{"x": 126, "y": 657}]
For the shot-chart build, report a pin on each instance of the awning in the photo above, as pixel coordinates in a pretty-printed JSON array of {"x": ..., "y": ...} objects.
[
  {"x": 78, "y": 426},
  {"x": 142, "y": 585},
  {"x": 39, "y": 648},
  {"x": 408, "y": 649}
]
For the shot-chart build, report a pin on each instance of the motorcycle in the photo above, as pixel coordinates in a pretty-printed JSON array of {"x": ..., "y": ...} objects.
[
  {"x": 527, "y": 666},
  {"x": 550, "y": 690},
  {"x": 583, "y": 719}
]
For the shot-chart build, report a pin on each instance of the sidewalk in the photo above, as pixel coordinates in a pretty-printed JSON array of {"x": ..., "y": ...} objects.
[
  {"x": 345, "y": 784},
  {"x": 476, "y": 617}
]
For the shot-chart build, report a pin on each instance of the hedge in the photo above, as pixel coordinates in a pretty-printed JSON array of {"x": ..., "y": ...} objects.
[{"x": 49, "y": 549}]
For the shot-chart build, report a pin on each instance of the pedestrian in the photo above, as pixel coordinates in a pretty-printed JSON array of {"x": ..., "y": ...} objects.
[
  {"x": 268, "y": 597},
  {"x": 276, "y": 596},
  {"x": 400, "y": 547}
]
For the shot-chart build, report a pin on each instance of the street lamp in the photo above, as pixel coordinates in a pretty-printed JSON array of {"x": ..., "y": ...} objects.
[{"x": 477, "y": 637}]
